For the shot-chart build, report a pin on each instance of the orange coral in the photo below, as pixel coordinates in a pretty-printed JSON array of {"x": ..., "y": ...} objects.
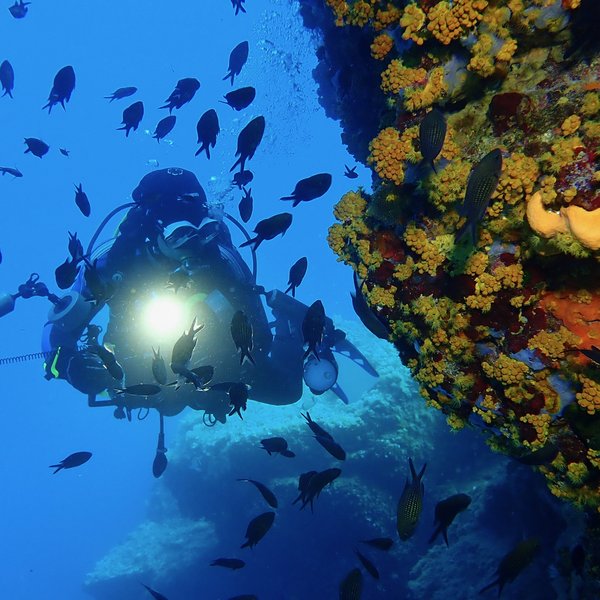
[
  {"x": 381, "y": 46},
  {"x": 388, "y": 153},
  {"x": 397, "y": 76}
]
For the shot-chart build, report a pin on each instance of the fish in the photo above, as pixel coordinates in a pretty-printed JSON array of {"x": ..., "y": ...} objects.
[
  {"x": 513, "y": 563},
  {"x": 368, "y": 565},
  {"x": 179, "y": 278},
  {"x": 19, "y": 9},
  {"x": 310, "y": 188},
  {"x": 593, "y": 353},
  {"x": 410, "y": 504},
  {"x": 184, "y": 347},
  {"x": 445, "y": 513},
  {"x": 183, "y": 93},
  {"x": 81, "y": 199},
  {"x": 110, "y": 362},
  {"x": 36, "y": 146},
  {"x": 303, "y": 482},
  {"x": 313, "y": 326},
  {"x": 100, "y": 290},
  {"x": 276, "y": 445},
  {"x": 159, "y": 368},
  {"x": 246, "y": 205},
  {"x": 11, "y": 171},
  {"x": 75, "y": 246},
  {"x": 66, "y": 273},
  {"x": 64, "y": 152},
  {"x": 207, "y": 129},
  {"x": 241, "y": 333},
  {"x": 578, "y": 559},
  {"x": 140, "y": 389},
  {"x": 266, "y": 493},
  {"x": 269, "y": 228},
  {"x": 482, "y": 183},
  {"x": 314, "y": 485},
  {"x": 228, "y": 563},
  {"x": 351, "y": 586},
  {"x": 7, "y": 78},
  {"x": 242, "y": 178},
  {"x": 159, "y": 464},
  {"x": 542, "y": 456},
  {"x": 238, "y": 397},
  {"x": 316, "y": 428},
  {"x": 62, "y": 88},
  {"x": 237, "y": 57},
  {"x": 121, "y": 93},
  {"x": 132, "y": 116},
  {"x": 241, "y": 98},
  {"x": 332, "y": 447},
  {"x": 380, "y": 543},
  {"x": 248, "y": 141},
  {"x": 432, "y": 133},
  {"x": 366, "y": 314},
  {"x": 350, "y": 173},
  {"x": 258, "y": 528},
  {"x": 297, "y": 273},
  {"x": 156, "y": 595},
  {"x": 199, "y": 377},
  {"x": 73, "y": 460},
  {"x": 164, "y": 127},
  {"x": 238, "y": 5}
]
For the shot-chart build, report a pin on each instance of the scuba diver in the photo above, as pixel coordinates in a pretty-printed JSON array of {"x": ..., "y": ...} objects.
[{"x": 172, "y": 268}]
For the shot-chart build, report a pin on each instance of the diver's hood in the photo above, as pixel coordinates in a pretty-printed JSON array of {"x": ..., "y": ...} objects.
[{"x": 172, "y": 195}]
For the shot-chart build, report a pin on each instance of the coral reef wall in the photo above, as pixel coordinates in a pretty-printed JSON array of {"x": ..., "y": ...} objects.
[{"x": 493, "y": 331}]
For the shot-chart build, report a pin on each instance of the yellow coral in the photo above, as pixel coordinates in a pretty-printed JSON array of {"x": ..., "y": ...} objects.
[
  {"x": 388, "y": 153},
  {"x": 417, "y": 97},
  {"x": 577, "y": 473},
  {"x": 589, "y": 396},
  {"x": 553, "y": 344},
  {"x": 507, "y": 51},
  {"x": 351, "y": 206},
  {"x": 381, "y": 46},
  {"x": 591, "y": 104},
  {"x": 477, "y": 263},
  {"x": 396, "y": 77},
  {"x": 506, "y": 370},
  {"x": 412, "y": 21},
  {"x": 340, "y": 9},
  {"x": 448, "y": 186},
  {"x": 360, "y": 13},
  {"x": 379, "y": 296},
  {"x": 404, "y": 270},
  {"x": 541, "y": 424},
  {"x": 509, "y": 276},
  {"x": 386, "y": 17},
  {"x": 519, "y": 175},
  {"x": 570, "y": 125}
]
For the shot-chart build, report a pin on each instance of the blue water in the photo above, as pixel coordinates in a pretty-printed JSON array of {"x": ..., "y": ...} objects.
[{"x": 56, "y": 528}]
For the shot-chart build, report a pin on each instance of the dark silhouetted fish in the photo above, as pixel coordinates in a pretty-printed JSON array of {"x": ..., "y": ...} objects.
[
  {"x": 351, "y": 586},
  {"x": 64, "y": 84},
  {"x": 513, "y": 563},
  {"x": 315, "y": 427},
  {"x": 380, "y": 543},
  {"x": 410, "y": 504},
  {"x": 303, "y": 482},
  {"x": 183, "y": 93},
  {"x": 248, "y": 141},
  {"x": 64, "y": 152},
  {"x": 179, "y": 278},
  {"x": 269, "y": 228},
  {"x": 132, "y": 116},
  {"x": 184, "y": 347},
  {"x": 123, "y": 92},
  {"x": 266, "y": 493},
  {"x": 73, "y": 460},
  {"x": 242, "y": 178},
  {"x": 246, "y": 205},
  {"x": 432, "y": 133},
  {"x": 313, "y": 326},
  {"x": 240, "y": 99},
  {"x": 578, "y": 559},
  {"x": 19, "y": 9},
  {"x": 7, "y": 78},
  {"x": 140, "y": 389},
  {"x": 445, "y": 513},
  {"x": 277, "y": 445},
  {"x": 241, "y": 333},
  {"x": 297, "y": 273},
  {"x": 316, "y": 484},
  {"x": 238, "y": 398},
  {"x": 36, "y": 147},
  {"x": 100, "y": 289},
  {"x": 66, "y": 273},
  {"x": 237, "y": 59},
  {"x": 310, "y": 188},
  {"x": 110, "y": 362},
  {"x": 258, "y": 528},
  {"x": 208, "y": 130},
  {"x": 350, "y": 173},
  {"x": 11, "y": 171},
  {"x": 159, "y": 368},
  {"x": 81, "y": 199},
  {"x": 75, "y": 246},
  {"x": 368, "y": 565},
  {"x": 593, "y": 353},
  {"x": 156, "y": 595},
  {"x": 332, "y": 447},
  {"x": 482, "y": 183},
  {"x": 228, "y": 563},
  {"x": 366, "y": 314},
  {"x": 542, "y": 456},
  {"x": 164, "y": 127}
]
